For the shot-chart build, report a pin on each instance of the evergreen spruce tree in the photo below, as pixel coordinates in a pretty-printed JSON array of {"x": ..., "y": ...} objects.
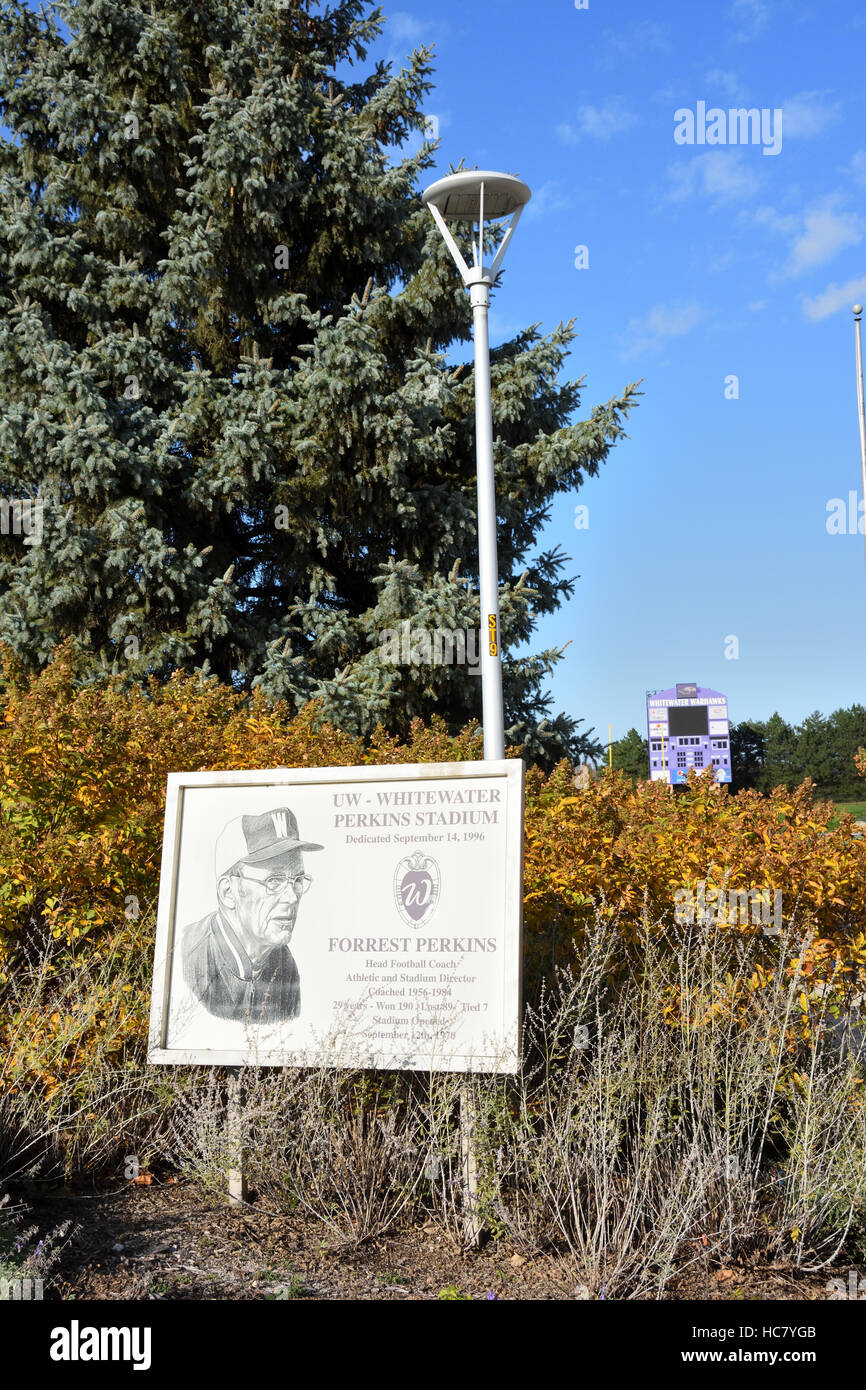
[
  {"x": 631, "y": 754},
  {"x": 747, "y": 755},
  {"x": 224, "y": 323},
  {"x": 782, "y": 764}
]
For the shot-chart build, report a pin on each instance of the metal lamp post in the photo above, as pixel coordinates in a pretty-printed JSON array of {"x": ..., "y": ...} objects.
[
  {"x": 472, "y": 196},
  {"x": 475, "y": 196},
  {"x": 858, "y": 310}
]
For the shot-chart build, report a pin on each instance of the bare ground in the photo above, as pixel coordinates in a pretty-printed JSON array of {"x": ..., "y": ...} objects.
[{"x": 169, "y": 1241}]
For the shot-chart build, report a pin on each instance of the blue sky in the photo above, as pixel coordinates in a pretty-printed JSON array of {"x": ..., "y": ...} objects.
[{"x": 710, "y": 522}]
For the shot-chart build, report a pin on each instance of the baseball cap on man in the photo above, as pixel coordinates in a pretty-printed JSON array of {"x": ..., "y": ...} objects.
[{"x": 256, "y": 839}]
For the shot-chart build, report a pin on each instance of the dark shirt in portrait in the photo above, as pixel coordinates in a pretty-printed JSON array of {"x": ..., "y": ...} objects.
[{"x": 222, "y": 977}]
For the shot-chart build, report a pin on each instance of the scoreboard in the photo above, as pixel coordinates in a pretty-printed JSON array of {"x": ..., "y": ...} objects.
[{"x": 687, "y": 726}]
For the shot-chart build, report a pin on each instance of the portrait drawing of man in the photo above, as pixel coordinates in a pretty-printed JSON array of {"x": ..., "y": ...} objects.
[{"x": 237, "y": 960}]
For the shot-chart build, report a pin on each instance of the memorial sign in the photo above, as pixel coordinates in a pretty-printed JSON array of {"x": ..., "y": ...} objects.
[{"x": 344, "y": 916}]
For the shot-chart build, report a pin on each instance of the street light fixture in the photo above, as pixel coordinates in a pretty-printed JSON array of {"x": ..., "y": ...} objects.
[{"x": 473, "y": 196}]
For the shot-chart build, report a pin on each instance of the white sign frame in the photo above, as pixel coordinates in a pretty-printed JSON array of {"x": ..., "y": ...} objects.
[{"x": 498, "y": 1054}]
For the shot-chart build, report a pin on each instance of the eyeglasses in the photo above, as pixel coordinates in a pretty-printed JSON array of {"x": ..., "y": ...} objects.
[{"x": 276, "y": 883}]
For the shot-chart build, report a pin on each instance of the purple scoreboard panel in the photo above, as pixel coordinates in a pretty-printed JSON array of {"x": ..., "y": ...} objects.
[{"x": 687, "y": 727}]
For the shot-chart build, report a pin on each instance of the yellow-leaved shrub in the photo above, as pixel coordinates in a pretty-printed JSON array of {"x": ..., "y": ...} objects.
[{"x": 82, "y": 783}]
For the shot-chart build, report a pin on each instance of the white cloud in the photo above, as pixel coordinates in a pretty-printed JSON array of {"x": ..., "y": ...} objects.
[
  {"x": 857, "y": 168},
  {"x": 503, "y": 329},
  {"x": 727, "y": 82},
  {"x": 666, "y": 96},
  {"x": 751, "y": 18},
  {"x": 664, "y": 321},
  {"x": 598, "y": 122},
  {"x": 626, "y": 41},
  {"x": 825, "y": 233},
  {"x": 808, "y": 114},
  {"x": 405, "y": 28},
  {"x": 403, "y": 33},
  {"x": 834, "y": 298},
  {"x": 549, "y": 198},
  {"x": 817, "y": 235},
  {"x": 756, "y": 306},
  {"x": 722, "y": 176},
  {"x": 786, "y": 224}
]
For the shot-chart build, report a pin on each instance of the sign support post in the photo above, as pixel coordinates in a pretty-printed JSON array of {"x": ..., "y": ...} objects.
[
  {"x": 472, "y": 1226},
  {"x": 237, "y": 1184}
]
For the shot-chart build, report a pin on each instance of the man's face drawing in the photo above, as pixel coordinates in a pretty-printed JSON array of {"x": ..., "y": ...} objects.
[{"x": 261, "y": 900}]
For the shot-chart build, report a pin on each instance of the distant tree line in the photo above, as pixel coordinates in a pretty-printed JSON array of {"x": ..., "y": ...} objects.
[{"x": 773, "y": 753}]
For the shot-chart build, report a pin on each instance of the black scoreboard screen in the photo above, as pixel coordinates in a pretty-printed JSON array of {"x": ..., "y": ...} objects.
[{"x": 687, "y": 719}]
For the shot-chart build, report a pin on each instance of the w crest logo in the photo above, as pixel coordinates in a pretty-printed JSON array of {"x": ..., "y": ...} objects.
[
  {"x": 281, "y": 824},
  {"x": 417, "y": 884}
]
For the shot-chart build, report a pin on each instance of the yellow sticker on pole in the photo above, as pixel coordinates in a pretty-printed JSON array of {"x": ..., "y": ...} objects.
[{"x": 492, "y": 645}]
